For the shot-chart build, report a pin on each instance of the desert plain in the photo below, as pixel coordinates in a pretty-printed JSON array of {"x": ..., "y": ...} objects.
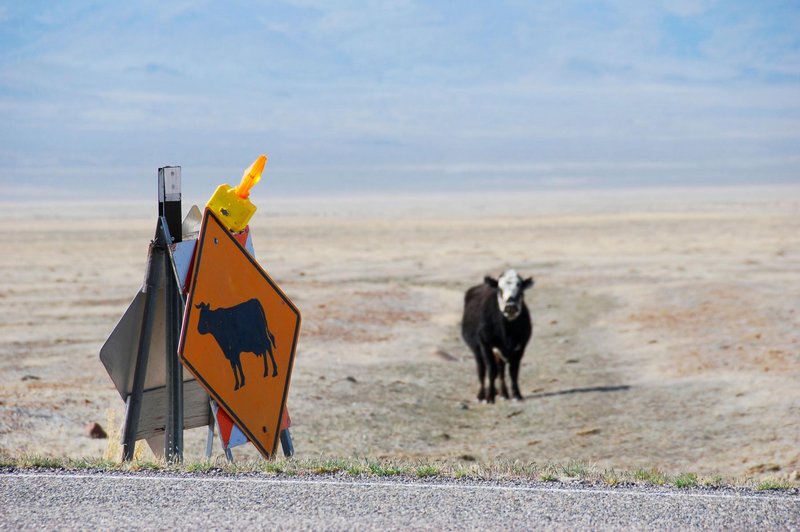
[{"x": 666, "y": 325}]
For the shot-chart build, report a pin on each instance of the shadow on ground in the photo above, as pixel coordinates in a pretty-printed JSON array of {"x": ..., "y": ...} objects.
[{"x": 620, "y": 388}]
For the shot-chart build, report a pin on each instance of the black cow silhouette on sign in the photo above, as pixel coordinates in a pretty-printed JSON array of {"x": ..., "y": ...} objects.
[{"x": 239, "y": 329}]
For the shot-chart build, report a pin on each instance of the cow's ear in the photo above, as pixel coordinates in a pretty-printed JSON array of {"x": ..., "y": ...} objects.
[
  {"x": 490, "y": 281},
  {"x": 527, "y": 283}
]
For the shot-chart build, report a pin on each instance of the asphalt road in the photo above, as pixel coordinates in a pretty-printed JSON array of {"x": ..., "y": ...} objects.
[{"x": 89, "y": 501}]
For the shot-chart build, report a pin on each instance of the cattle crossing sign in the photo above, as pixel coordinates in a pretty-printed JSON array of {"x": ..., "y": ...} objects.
[{"x": 239, "y": 334}]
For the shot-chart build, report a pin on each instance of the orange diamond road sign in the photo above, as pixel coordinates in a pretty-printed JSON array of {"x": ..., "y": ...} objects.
[{"x": 239, "y": 335}]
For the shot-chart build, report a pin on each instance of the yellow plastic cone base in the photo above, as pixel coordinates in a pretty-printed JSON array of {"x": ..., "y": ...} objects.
[{"x": 232, "y": 204}]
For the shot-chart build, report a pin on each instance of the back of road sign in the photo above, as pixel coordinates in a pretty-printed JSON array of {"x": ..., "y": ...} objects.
[{"x": 239, "y": 335}]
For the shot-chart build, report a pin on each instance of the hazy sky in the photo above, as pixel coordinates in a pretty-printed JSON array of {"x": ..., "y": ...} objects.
[{"x": 399, "y": 95}]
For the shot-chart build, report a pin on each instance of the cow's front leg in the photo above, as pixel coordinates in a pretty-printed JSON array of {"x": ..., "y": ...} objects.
[
  {"x": 274, "y": 365},
  {"x": 238, "y": 372},
  {"x": 241, "y": 371},
  {"x": 235, "y": 374},
  {"x": 514, "y": 371},
  {"x": 492, "y": 377},
  {"x": 501, "y": 371},
  {"x": 481, "y": 378}
]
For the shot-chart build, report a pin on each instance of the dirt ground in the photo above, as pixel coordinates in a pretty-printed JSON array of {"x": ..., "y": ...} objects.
[{"x": 666, "y": 325}]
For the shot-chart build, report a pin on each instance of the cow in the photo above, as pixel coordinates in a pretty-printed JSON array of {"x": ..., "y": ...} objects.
[
  {"x": 497, "y": 327},
  {"x": 239, "y": 329}
]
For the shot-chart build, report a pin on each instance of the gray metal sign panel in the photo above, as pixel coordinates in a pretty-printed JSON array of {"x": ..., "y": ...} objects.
[
  {"x": 154, "y": 408},
  {"x": 118, "y": 355}
]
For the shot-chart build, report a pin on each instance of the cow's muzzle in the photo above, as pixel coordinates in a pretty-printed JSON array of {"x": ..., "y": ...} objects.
[{"x": 511, "y": 311}]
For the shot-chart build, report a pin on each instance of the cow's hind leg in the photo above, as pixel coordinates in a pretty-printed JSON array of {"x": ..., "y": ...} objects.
[
  {"x": 481, "y": 366},
  {"x": 241, "y": 371},
  {"x": 274, "y": 365},
  {"x": 235, "y": 374},
  {"x": 266, "y": 370}
]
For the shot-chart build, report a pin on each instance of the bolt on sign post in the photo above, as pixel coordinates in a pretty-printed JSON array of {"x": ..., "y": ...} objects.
[{"x": 240, "y": 330}]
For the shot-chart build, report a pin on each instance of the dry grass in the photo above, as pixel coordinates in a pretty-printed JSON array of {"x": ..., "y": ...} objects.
[{"x": 574, "y": 472}]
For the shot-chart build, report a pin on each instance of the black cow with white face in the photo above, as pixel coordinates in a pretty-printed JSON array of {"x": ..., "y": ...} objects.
[{"x": 497, "y": 326}]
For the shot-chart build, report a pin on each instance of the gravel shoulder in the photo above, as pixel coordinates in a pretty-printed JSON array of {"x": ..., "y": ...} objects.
[{"x": 168, "y": 500}]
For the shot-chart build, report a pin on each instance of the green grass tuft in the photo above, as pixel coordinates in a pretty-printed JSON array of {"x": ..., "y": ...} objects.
[
  {"x": 459, "y": 471},
  {"x": 137, "y": 465},
  {"x": 380, "y": 470},
  {"x": 42, "y": 462},
  {"x": 773, "y": 484},
  {"x": 272, "y": 468},
  {"x": 356, "y": 469},
  {"x": 650, "y": 476},
  {"x": 547, "y": 476},
  {"x": 327, "y": 467},
  {"x": 576, "y": 470},
  {"x": 427, "y": 470},
  {"x": 685, "y": 480},
  {"x": 611, "y": 478},
  {"x": 203, "y": 466},
  {"x": 92, "y": 463}
]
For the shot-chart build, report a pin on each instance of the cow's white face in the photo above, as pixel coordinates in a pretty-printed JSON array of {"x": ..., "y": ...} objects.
[{"x": 510, "y": 293}]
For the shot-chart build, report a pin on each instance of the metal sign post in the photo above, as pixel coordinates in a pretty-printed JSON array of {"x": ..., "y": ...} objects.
[
  {"x": 169, "y": 224},
  {"x": 169, "y": 209}
]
